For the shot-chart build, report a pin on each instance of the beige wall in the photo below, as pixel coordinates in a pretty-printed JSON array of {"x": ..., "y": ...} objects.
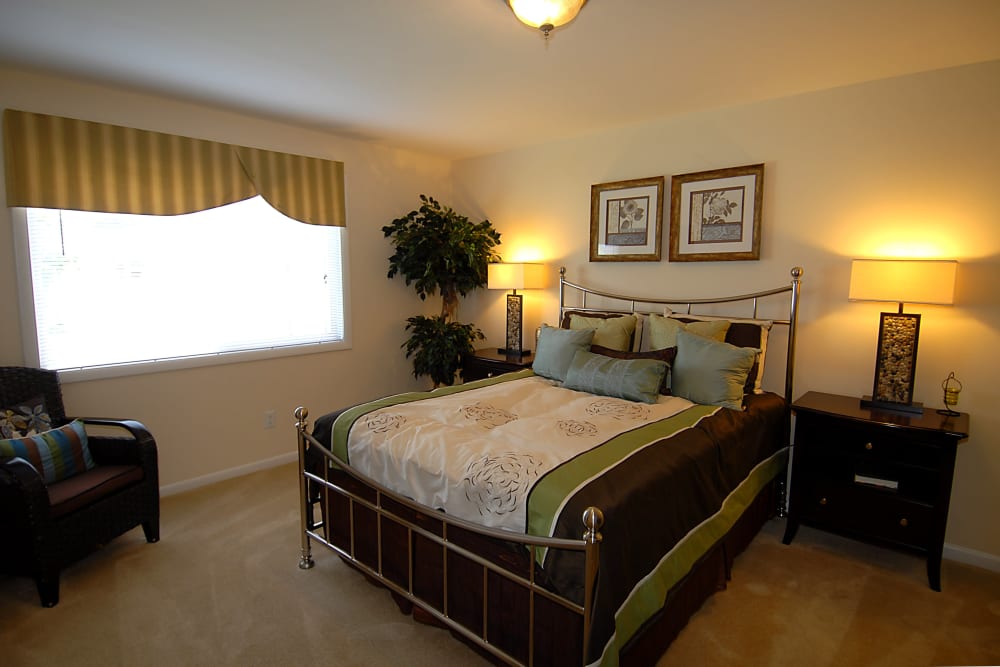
[
  {"x": 208, "y": 420},
  {"x": 903, "y": 166}
]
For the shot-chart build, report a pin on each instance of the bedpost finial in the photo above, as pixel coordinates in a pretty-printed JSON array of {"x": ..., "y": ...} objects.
[
  {"x": 593, "y": 519},
  {"x": 301, "y": 418},
  {"x": 797, "y": 272},
  {"x": 562, "y": 271}
]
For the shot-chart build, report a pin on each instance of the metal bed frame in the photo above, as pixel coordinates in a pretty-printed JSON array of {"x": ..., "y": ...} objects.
[{"x": 386, "y": 504}]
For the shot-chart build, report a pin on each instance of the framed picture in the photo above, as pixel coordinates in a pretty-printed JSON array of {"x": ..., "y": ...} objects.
[
  {"x": 715, "y": 215},
  {"x": 626, "y": 220}
]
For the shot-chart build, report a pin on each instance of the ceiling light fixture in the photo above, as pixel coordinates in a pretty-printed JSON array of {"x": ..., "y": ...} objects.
[{"x": 546, "y": 15}]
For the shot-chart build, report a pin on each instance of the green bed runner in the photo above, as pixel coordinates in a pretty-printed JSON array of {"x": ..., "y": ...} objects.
[
  {"x": 650, "y": 593},
  {"x": 548, "y": 494}
]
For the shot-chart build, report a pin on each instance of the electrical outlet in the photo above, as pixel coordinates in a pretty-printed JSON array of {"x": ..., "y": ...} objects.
[{"x": 269, "y": 419}]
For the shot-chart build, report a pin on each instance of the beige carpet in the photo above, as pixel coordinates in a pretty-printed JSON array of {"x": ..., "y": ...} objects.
[{"x": 223, "y": 588}]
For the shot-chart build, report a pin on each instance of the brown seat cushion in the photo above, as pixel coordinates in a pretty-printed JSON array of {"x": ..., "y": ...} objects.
[{"x": 77, "y": 491}]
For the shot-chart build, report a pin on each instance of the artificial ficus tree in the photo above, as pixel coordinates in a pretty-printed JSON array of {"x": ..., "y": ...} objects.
[{"x": 439, "y": 250}]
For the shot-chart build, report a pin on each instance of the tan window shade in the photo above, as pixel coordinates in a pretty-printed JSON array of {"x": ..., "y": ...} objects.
[
  {"x": 64, "y": 163},
  {"x": 300, "y": 187}
]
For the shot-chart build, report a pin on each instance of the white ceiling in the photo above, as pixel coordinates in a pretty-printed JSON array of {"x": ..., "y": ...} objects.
[{"x": 463, "y": 77}]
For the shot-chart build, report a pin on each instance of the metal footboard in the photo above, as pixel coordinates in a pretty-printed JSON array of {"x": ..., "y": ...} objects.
[{"x": 382, "y": 505}]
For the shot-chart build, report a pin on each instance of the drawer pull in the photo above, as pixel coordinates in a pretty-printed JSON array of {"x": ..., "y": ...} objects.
[
  {"x": 490, "y": 374},
  {"x": 822, "y": 501},
  {"x": 903, "y": 522},
  {"x": 868, "y": 446}
]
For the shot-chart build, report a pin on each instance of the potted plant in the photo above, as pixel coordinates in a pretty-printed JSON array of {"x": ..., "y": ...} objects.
[{"x": 437, "y": 249}]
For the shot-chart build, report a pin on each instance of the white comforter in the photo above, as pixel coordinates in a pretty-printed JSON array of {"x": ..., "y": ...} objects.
[{"x": 476, "y": 454}]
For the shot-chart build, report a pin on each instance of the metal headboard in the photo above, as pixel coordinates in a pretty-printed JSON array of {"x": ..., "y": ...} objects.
[{"x": 567, "y": 289}]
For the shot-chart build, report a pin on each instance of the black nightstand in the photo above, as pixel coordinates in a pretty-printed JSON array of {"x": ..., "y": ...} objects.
[
  {"x": 879, "y": 476},
  {"x": 488, "y": 363}
]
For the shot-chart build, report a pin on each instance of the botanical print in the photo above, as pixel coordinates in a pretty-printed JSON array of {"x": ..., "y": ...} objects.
[
  {"x": 620, "y": 410},
  {"x": 499, "y": 484},
  {"x": 384, "y": 422},
  {"x": 574, "y": 428},
  {"x": 627, "y": 221},
  {"x": 716, "y": 215},
  {"x": 488, "y": 416}
]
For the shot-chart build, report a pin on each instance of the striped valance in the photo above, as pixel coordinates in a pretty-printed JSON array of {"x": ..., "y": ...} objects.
[{"x": 64, "y": 163}]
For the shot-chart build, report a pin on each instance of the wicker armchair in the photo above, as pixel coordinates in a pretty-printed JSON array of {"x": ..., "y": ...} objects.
[{"x": 43, "y": 527}]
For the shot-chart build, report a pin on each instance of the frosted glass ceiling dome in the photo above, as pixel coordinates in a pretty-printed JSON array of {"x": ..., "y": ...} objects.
[{"x": 546, "y": 15}]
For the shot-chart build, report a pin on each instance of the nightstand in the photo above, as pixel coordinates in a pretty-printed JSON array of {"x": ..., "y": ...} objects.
[
  {"x": 879, "y": 476},
  {"x": 488, "y": 362}
]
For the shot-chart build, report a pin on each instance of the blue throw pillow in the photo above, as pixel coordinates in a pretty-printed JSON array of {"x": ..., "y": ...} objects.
[
  {"x": 631, "y": 379},
  {"x": 709, "y": 372},
  {"x": 556, "y": 349}
]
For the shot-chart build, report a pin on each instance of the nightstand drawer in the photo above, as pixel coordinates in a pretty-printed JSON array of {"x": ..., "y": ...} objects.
[
  {"x": 869, "y": 512},
  {"x": 490, "y": 363},
  {"x": 477, "y": 369},
  {"x": 867, "y": 442}
]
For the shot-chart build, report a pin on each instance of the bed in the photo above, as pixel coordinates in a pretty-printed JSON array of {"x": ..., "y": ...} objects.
[{"x": 586, "y": 507}]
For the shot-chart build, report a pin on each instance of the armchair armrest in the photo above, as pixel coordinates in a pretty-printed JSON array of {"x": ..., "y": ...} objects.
[
  {"x": 138, "y": 447},
  {"x": 136, "y": 429},
  {"x": 24, "y": 498},
  {"x": 17, "y": 471}
]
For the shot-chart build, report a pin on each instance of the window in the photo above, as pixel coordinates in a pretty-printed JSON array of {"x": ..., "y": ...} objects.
[{"x": 108, "y": 290}]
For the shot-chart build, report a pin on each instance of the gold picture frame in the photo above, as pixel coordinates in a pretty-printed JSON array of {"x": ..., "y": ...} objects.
[
  {"x": 626, "y": 220},
  {"x": 715, "y": 215}
]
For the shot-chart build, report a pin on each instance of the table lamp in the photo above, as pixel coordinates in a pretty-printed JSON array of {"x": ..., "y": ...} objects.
[
  {"x": 901, "y": 281},
  {"x": 515, "y": 277}
]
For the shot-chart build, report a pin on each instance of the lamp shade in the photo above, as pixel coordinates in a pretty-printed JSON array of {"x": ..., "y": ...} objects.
[
  {"x": 903, "y": 280},
  {"x": 515, "y": 276},
  {"x": 546, "y": 14}
]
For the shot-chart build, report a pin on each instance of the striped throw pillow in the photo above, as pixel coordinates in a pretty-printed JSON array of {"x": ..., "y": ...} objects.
[{"x": 56, "y": 454}]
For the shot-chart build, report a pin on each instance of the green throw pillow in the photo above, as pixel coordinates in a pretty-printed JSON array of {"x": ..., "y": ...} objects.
[
  {"x": 709, "y": 372},
  {"x": 55, "y": 454},
  {"x": 663, "y": 330},
  {"x": 556, "y": 348},
  {"x": 632, "y": 379},
  {"x": 611, "y": 332}
]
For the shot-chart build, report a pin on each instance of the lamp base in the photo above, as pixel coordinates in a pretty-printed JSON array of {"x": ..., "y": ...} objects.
[
  {"x": 514, "y": 340},
  {"x": 513, "y": 353},
  {"x": 915, "y": 408}
]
